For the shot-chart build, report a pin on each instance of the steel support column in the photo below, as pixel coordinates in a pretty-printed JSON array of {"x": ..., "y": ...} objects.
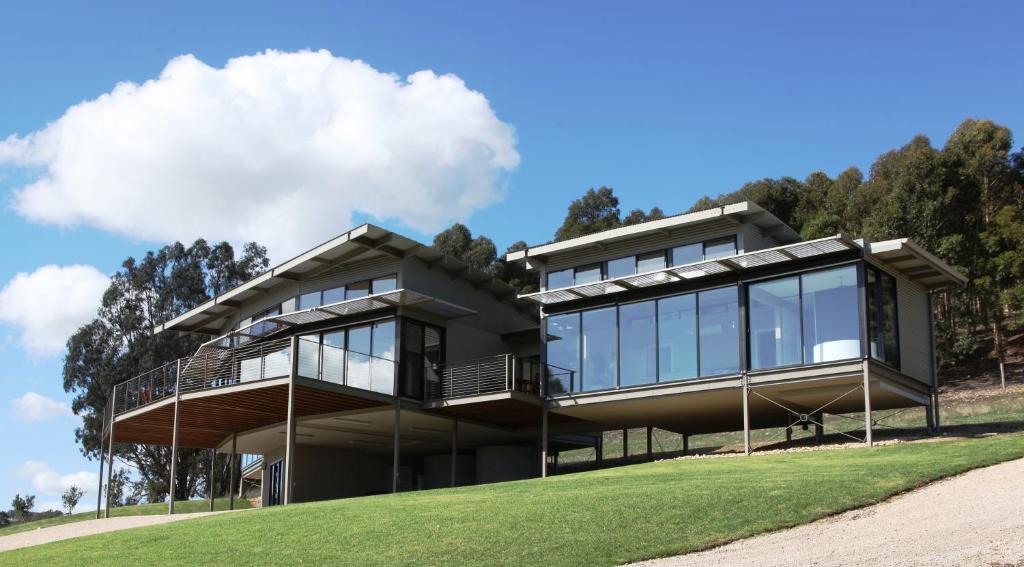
[
  {"x": 99, "y": 489},
  {"x": 625, "y": 444},
  {"x": 686, "y": 444},
  {"x": 650, "y": 452},
  {"x": 544, "y": 442},
  {"x": 213, "y": 477},
  {"x": 789, "y": 436},
  {"x": 599, "y": 449},
  {"x": 231, "y": 471},
  {"x": 867, "y": 406},
  {"x": 174, "y": 441},
  {"x": 110, "y": 466},
  {"x": 746, "y": 415},
  {"x": 938, "y": 420},
  {"x": 455, "y": 447},
  {"x": 289, "y": 446},
  {"x": 397, "y": 446}
]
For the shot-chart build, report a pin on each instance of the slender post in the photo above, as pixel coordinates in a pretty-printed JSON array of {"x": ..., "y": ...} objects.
[
  {"x": 746, "y": 415},
  {"x": 686, "y": 444},
  {"x": 868, "y": 438},
  {"x": 929, "y": 420},
  {"x": 599, "y": 448},
  {"x": 544, "y": 442},
  {"x": 625, "y": 444},
  {"x": 455, "y": 447},
  {"x": 789, "y": 437},
  {"x": 213, "y": 477},
  {"x": 174, "y": 441},
  {"x": 819, "y": 428},
  {"x": 938, "y": 421},
  {"x": 99, "y": 489},
  {"x": 650, "y": 452},
  {"x": 110, "y": 466},
  {"x": 231, "y": 466},
  {"x": 397, "y": 441},
  {"x": 289, "y": 451}
]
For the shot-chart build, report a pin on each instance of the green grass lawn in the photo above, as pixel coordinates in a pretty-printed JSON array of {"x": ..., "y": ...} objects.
[
  {"x": 601, "y": 517},
  {"x": 180, "y": 507}
]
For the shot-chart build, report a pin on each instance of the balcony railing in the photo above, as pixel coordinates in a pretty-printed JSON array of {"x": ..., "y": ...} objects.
[{"x": 488, "y": 375}]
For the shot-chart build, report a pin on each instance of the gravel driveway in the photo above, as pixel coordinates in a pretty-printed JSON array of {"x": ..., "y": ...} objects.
[
  {"x": 973, "y": 519},
  {"x": 89, "y": 527}
]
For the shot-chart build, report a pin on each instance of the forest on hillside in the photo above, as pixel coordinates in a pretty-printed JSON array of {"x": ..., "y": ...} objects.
[{"x": 963, "y": 201}]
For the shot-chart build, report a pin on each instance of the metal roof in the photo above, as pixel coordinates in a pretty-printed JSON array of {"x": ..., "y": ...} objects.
[
  {"x": 744, "y": 212},
  {"x": 900, "y": 255},
  {"x": 361, "y": 243}
]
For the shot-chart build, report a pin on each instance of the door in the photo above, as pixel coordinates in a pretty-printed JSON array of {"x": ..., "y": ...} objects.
[{"x": 276, "y": 474}]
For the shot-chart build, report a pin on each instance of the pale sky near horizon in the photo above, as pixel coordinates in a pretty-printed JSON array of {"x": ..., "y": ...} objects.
[{"x": 124, "y": 127}]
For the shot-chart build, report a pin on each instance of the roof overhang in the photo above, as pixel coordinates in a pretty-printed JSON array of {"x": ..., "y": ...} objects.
[
  {"x": 915, "y": 263},
  {"x": 745, "y": 212},
  {"x": 697, "y": 270},
  {"x": 361, "y": 243}
]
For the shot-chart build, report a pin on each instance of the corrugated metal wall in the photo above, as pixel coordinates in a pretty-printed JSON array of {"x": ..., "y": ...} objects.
[{"x": 915, "y": 335}]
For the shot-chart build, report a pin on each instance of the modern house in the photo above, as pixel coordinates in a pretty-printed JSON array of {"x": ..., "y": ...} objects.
[{"x": 373, "y": 363}]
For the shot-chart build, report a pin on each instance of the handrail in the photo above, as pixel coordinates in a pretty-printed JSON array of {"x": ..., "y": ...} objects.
[{"x": 485, "y": 375}]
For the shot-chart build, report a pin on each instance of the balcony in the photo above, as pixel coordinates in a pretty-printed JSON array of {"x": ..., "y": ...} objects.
[{"x": 480, "y": 376}]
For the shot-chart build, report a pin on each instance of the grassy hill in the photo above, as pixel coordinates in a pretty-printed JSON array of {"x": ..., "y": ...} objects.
[
  {"x": 180, "y": 507},
  {"x": 602, "y": 517}
]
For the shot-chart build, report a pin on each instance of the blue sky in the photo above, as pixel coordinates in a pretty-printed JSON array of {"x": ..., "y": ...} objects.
[{"x": 665, "y": 102}]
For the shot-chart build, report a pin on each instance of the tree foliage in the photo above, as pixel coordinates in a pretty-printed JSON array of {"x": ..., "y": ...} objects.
[
  {"x": 71, "y": 497},
  {"x": 119, "y": 344},
  {"x": 22, "y": 505}
]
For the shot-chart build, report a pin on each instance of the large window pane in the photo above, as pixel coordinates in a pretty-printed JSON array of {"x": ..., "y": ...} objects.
[
  {"x": 412, "y": 355},
  {"x": 311, "y": 299},
  {"x": 358, "y": 367},
  {"x": 357, "y": 290},
  {"x": 334, "y": 295},
  {"x": 718, "y": 312},
  {"x": 560, "y": 279},
  {"x": 382, "y": 365},
  {"x": 719, "y": 248},
  {"x": 333, "y": 358},
  {"x": 687, "y": 254},
  {"x": 890, "y": 327},
  {"x": 385, "y": 284},
  {"x": 775, "y": 323},
  {"x": 831, "y": 316},
  {"x": 588, "y": 274},
  {"x": 637, "y": 340},
  {"x": 874, "y": 330},
  {"x": 622, "y": 267},
  {"x": 677, "y": 337},
  {"x": 563, "y": 353},
  {"x": 309, "y": 356},
  {"x": 650, "y": 262},
  {"x": 600, "y": 352}
]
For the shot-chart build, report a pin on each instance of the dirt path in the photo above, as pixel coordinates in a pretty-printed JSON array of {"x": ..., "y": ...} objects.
[
  {"x": 89, "y": 527},
  {"x": 973, "y": 519}
]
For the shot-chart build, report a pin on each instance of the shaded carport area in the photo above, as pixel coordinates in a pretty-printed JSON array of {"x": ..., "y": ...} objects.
[{"x": 787, "y": 399}]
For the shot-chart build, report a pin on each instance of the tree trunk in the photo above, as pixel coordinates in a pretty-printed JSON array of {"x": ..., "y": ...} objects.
[{"x": 997, "y": 339}]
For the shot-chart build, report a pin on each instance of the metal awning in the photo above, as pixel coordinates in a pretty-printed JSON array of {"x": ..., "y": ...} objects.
[
  {"x": 391, "y": 299},
  {"x": 915, "y": 263},
  {"x": 696, "y": 270}
]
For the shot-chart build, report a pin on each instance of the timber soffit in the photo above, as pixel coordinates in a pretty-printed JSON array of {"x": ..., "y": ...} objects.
[{"x": 362, "y": 242}]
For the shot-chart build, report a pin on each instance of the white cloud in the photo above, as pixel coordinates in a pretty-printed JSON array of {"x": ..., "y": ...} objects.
[
  {"x": 277, "y": 147},
  {"x": 50, "y": 304},
  {"x": 49, "y": 482},
  {"x": 36, "y": 407}
]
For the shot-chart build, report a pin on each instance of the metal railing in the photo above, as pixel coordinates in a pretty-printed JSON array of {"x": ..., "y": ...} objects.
[
  {"x": 492, "y": 374},
  {"x": 558, "y": 380}
]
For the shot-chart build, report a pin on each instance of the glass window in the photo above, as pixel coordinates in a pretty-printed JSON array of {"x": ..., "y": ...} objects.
[
  {"x": 358, "y": 365},
  {"x": 677, "y": 337},
  {"x": 382, "y": 365},
  {"x": 719, "y": 248},
  {"x": 309, "y": 356},
  {"x": 563, "y": 353},
  {"x": 687, "y": 254},
  {"x": 650, "y": 262},
  {"x": 830, "y": 315},
  {"x": 622, "y": 267},
  {"x": 600, "y": 349},
  {"x": 774, "y": 320},
  {"x": 890, "y": 328},
  {"x": 874, "y": 331},
  {"x": 588, "y": 274},
  {"x": 718, "y": 311},
  {"x": 385, "y": 284},
  {"x": 638, "y": 341},
  {"x": 334, "y": 295},
  {"x": 357, "y": 290},
  {"x": 311, "y": 299},
  {"x": 333, "y": 358},
  {"x": 288, "y": 306},
  {"x": 560, "y": 279}
]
